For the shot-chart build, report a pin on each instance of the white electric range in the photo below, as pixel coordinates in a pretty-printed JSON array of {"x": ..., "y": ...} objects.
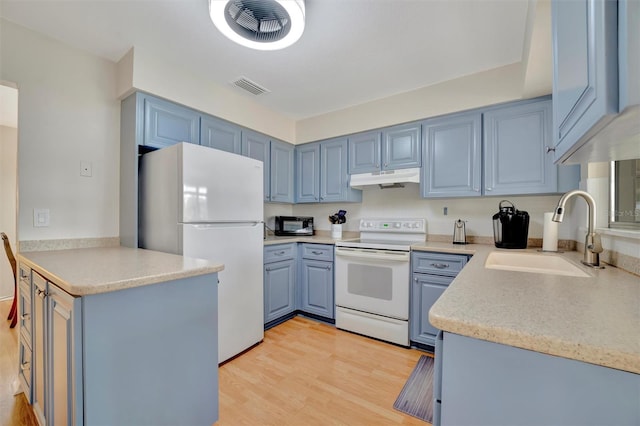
[{"x": 372, "y": 278}]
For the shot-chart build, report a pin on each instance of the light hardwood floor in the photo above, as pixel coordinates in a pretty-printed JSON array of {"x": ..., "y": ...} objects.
[
  {"x": 14, "y": 410},
  {"x": 303, "y": 373},
  {"x": 309, "y": 373}
]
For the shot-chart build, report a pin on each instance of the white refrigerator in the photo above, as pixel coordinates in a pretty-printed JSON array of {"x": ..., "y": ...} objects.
[{"x": 206, "y": 203}]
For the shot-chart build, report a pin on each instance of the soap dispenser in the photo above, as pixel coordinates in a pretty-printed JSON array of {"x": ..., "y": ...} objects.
[{"x": 459, "y": 233}]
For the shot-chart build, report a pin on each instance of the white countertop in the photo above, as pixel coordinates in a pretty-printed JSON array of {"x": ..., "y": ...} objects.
[
  {"x": 594, "y": 319},
  {"x": 82, "y": 272}
]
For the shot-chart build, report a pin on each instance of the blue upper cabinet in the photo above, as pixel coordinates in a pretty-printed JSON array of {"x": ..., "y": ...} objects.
[
  {"x": 281, "y": 172},
  {"x": 334, "y": 178},
  {"x": 321, "y": 173},
  {"x": 401, "y": 147},
  {"x": 395, "y": 147},
  {"x": 452, "y": 156},
  {"x": 516, "y": 158},
  {"x": 308, "y": 173},
  {"x": 364, "y": 152},
  {"x": 585, "y": 71},
  {"x": 629, "y": 53},
  {"x": 220, "y": 134},
  {"x": 257, "y": 146},
  {"x": 166, "y": 123}
]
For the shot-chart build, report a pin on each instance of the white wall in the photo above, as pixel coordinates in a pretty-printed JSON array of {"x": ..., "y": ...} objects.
[
  {"x": 406, "y": 202},
  {"x": 486, "y": 88},
  {"x": 68, "y": 112},
  {"x": 186, "y": 85},
  {"x": 8, "y": 187}
]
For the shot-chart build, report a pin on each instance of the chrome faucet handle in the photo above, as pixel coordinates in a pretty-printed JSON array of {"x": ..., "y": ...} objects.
[{"x": 596, "y": 244}]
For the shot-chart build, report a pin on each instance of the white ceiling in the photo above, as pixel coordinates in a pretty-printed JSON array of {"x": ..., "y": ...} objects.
[{"x": 352, "y": 51}]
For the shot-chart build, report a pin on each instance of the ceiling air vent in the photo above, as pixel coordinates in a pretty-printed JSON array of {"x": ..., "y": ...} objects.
[{"x": 250, "y": 86}]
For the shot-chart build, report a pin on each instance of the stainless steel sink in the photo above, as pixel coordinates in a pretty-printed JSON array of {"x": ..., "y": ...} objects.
[{"x": 533, "y": 262}]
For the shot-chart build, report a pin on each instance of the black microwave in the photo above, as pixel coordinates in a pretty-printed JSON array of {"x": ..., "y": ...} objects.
[{"x": 294, "y": 225}]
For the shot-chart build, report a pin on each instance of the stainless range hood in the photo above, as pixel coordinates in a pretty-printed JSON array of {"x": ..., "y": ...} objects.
[{"x": 385, "y": 179}]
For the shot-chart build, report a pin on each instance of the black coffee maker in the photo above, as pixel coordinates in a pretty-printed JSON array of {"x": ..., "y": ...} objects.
[{"x": 510, "y": 227}]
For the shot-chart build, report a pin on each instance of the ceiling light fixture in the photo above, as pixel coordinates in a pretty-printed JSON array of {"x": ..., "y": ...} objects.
[{"x": 259, "y": 24}]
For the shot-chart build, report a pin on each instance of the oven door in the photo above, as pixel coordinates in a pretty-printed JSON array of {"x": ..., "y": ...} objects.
[{"x": 374, "y": 281}]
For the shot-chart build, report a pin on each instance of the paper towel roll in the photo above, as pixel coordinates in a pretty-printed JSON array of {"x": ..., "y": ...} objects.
[{"x": 550, "y": 233}]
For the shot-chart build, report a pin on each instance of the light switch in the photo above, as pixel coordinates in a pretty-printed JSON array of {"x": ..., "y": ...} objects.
[
  {"x": 40, "y": 217},
  {"x": 86, "y": 169}
]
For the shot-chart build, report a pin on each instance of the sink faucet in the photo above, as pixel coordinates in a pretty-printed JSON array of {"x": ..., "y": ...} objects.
[{"x": 592, "y": 243}]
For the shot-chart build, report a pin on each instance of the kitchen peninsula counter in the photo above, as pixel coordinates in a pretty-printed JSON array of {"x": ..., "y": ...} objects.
[
  {"x": 82, "y": 272},
  {"x": 594, "y": 319},
  {"x": 119, "y": 324}
]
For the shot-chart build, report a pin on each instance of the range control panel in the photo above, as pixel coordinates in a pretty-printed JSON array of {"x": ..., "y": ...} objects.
[{"x": 412, "y": 226}]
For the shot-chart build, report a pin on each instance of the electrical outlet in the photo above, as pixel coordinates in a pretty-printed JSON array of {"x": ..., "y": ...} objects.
[
  {"x": 86, "y": 169},
  {"x": 40, "y": 218},
  {"x": 445, "y": 211}
]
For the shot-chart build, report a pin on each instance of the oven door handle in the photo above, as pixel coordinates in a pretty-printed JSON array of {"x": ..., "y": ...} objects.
[{"x": 393, "y": 256}]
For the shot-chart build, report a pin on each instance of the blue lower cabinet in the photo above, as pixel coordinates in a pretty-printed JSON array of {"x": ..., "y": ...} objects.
[
  {"x": 317, "y": 288},
  {"x": 431, "y": 275},
  {"x": 87, "y": 350},
  {"x": 425, "y": 291},
  {"x": 498, "y": 384},
  {"x": 298, "y": 278},
  {"x": 279, "y": 289},
  {"x": 316, "y": 283}
]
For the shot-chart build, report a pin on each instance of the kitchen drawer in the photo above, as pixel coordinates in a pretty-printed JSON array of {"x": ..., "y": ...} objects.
[
  {"x": 317, "y": 251},
  {"x": 25, "y": 275},
  {"x": 25, "y": 308},
  {"x": 279, "y": 252},
  {"x": 25, "y": 372},
  {"x": 438, "y": 263}
]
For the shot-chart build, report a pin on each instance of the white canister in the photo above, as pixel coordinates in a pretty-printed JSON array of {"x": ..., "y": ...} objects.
[{"x": 336, "y": 231}]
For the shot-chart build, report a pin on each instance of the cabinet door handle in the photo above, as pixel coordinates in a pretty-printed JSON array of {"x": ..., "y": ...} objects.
[
  {"x": 316, "y": 252},
  {"x": 476, "y": 189},
  {"x": 489, "y": 188},
  {"x": 377, "y": 166},
  {"x": 268, "y": 269},
  {"x": 328, "y": 268},
  {"x": 280, "y": 253},
  {"x": 25, "y": 366},
  {"x": 440, "y": 265},
  {"x": 416, "y": 279},
  {"x": 41, "y": 293},
  {"x": 550, "y": 149},
  {"x": 23, "y": 274},
  {"x": 25, "y": 316}
]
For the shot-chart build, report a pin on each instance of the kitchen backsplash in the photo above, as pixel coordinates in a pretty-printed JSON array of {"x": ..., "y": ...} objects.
[
  {"x": 406, "y": 202},
  {"x": 477, "y": 212}
]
